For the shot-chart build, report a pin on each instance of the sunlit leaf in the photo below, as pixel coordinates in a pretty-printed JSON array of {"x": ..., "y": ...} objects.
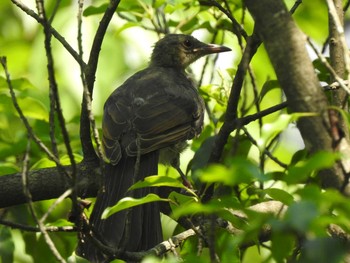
[
  {"x": 65, "y": 160},
  {"x": 129, "y": 202},
  {"x": 95, "y": 10},
  {"x": 302, "y": 170},
  {"x": 280, "y": 195},
  {"x": 268, "y": 86},
  {"x": 20, "y": 84},
  {"x": 240, "y": 170},
  {"x": 43, "y": 163},
  {"x": 60, "y": 222},
  {"x": 33, "y": 108},
  {"x": 126, "y": 26},
  {"x": 156, "y": 181},
  {"x": 220, "y": 206},
  {"x": 8, "y": 168}
]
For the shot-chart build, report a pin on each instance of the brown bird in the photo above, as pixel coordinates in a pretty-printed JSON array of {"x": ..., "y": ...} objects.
[{"x": 147, "y": 120}]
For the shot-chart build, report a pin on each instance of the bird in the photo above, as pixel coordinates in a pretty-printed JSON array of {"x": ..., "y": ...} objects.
[{"x": 146, "y": 121}]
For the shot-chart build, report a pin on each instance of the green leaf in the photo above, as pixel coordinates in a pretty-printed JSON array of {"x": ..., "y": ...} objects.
[
  {"x": 179, "y": 199},
  {"x": 8, "y": 168},
  {"x": 282, "y": 245},
  {"x": 156, "y": 181},
  {"x": 240, "y": 170},
  {"x": 195, "y": 208},
  {"x": 7, "y": 245},
  {"x": 201, "y": 156},
  {"x": 126, "y": 26},
  {"x": 268, "y": 86},
  {"x": 216, "y": 173},
  {"x": 60, "y": 222},
  {"x": 43, "y": 163},
  {"x": 322, "y": 71},
  {"x": 323, "y": 250},
  {"x": 300, "y": 215},
  {"x": 302, "y": 170},
  {"x": 129, "y": 202},
  {"x": 219, "y": 206},
  {"x": 280, "y": 195},
  {"x": 65, "y": 159},
  {"x": 95, "y": 10},
  {"x": 33, "y": 108},
  {"x": 20, "y": 84},
  {"x": 298, "y": 156}
]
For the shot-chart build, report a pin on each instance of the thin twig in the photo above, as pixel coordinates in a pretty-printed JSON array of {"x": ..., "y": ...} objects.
[
  {"x": 25, "y": 121},
  {"x": 83, "y": 80},
  {"x": 237, "y": 28},
  {"x": 266, "y": 151},
  {"x": 339, "y": 27},
  {"x": 253, "y": 43},
  {"x": 28, "y": 195},
  {"x": 57, "y": 35},
  {"x": 346, "y": 6},
  {"x": 54, "y": 205},
  {"x": 37, "y": 229},
  {"x": 55, "y": 103},
  {"x": 54, "y": 12},
  {"x": 90, "y": 76},
  {"x": 295, "y": 6},
  {"x": 342, "y": 83},
  {"x": 255, "y": 92}
]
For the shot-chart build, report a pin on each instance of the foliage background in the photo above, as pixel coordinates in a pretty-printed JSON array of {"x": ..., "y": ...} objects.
[{"x": 249, "y": 176}]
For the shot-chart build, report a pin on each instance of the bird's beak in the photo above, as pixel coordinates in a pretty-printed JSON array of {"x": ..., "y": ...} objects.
[{"x": 211, "y": 48}]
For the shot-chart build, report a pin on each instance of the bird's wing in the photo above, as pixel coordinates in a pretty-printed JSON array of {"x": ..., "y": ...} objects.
[
  {"x": 164, "y": 120},
  {"x": 150, "y": 118}
]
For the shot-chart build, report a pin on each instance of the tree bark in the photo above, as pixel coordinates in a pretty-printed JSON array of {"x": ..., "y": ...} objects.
[
  {"x": 337, "y": 61},
  {"x": 48, "y": 183}
]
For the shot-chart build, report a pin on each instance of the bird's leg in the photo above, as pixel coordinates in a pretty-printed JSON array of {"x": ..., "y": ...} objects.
[{"x": 185, "y": 181}]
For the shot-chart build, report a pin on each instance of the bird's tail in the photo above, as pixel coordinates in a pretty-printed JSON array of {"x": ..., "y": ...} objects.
[{"x": 134, "y": 229}]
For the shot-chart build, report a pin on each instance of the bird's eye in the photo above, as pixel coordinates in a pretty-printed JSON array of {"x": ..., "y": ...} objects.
[{"x": 187, "y": 43}]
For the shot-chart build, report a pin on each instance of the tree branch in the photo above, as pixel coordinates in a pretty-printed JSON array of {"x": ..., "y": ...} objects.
[
  {"x": 90, "y": 76},
  {"x": 57, "y": 35},
  {"x": 49, "y": 183},
  {"x": 253, "y": 43},
  {"x": 27, "y": 228}
]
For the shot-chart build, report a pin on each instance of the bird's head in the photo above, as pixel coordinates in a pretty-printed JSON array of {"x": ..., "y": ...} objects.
[{"x": 178, "y": 50}]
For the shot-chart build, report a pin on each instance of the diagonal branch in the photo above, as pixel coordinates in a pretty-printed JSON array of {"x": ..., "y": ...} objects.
[
  {"x": 253, "y": 43},
  {"x": 57, "y": 35},
  {"x": 90, "y": 76}
]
